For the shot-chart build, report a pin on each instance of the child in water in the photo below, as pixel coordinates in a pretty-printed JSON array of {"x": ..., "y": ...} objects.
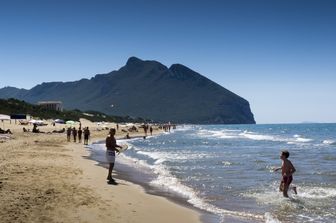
[{"x": 287, "y": 170}]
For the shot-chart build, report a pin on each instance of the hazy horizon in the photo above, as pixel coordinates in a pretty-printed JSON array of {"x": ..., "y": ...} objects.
[{"x": 279, "y": 55}]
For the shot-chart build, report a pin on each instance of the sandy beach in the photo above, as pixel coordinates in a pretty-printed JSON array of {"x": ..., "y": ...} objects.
[{"x": 46, "y": 179}]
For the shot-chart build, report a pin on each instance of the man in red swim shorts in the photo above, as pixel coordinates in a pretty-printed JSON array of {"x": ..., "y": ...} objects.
[{"x": 287, "y": 170}]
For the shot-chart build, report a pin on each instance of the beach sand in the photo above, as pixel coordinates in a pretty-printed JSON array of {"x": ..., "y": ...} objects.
[{"x": 43, "y": 178}]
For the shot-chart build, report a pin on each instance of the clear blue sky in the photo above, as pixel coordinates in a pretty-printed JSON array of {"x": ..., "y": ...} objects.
[{"x": 278, "y": 54}]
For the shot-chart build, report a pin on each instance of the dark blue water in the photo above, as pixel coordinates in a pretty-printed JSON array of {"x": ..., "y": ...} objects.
[{"x": 227, "y": 170}]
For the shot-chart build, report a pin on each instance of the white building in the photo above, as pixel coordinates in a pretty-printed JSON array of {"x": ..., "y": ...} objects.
[{"x": 51, "y": 105}]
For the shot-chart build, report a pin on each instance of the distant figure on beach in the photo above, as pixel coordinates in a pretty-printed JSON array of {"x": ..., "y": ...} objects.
[
  {"x": 151, "y": 130},
  {"x": 287, "y": 170},
  {"x": 127, "y": 136},
  {"x": 80, "y": 132},
  {"x": 35, "y": 129},
  {"x": 8, "y": 131},
  {"x": 68, "y": 134},
  {"x": 117, "y": 126},
  {"x": 86, "y": 135},
  {"x": 111, "y": 148},
  {"x": 74, "y": 133},
  {"x": 145, "y": 129}
]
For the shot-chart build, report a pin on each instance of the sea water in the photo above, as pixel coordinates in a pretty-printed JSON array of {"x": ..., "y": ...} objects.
[{"x": 227, "y": 170}]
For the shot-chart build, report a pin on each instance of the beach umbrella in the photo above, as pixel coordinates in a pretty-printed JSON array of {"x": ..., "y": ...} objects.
[
  {"x": 37, "y": 122},
  {"x": 59, "y": 121},
  {"x": 33, "y": 121},
  {"x": 4, "y": 117},
  {"x": 70, "y": 122}
]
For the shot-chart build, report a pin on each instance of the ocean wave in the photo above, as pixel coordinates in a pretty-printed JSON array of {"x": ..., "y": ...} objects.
[
  {"x": 135, "y": 162},
  {"x": 226, "y": 163},
  {"x": 261, "y": 137},
  {"x": 166, "y": 181},
  {"x": 300, "y": 139},
  {"x": 329, "y": 142},
  {"x": 222, "y": 134},
  {"x": 237, "y": 134},
  {"x": 174, "y": 156}
]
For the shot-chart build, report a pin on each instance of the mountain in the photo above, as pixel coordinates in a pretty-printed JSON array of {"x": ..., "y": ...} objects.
[{"x": 146, "y": 89}]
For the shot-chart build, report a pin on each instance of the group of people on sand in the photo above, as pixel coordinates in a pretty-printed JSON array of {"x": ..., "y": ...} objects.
[
  {"x": 78, "y": 134},
  {"x": 167, "y": 127},
  {"x": 8, "y": 131}
]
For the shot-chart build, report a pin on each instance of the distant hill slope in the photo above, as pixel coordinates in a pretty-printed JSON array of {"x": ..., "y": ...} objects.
[
  {"x": 146, "y": 89},
  {"x": 14, "y": 106}
]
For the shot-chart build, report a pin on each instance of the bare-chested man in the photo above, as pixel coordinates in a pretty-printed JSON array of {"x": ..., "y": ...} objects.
[
  {"x": 111, "y": 148},
  {"x": 287, "y": 170}
]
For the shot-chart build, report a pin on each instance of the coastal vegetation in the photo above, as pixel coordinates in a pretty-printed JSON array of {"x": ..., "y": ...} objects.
[{"x": 15, "y": 106}]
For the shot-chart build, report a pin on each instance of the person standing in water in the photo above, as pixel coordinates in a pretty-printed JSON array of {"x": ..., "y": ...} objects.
[
  {"x": 287, "y": 170},
  {"x": 111, "y": 148}
]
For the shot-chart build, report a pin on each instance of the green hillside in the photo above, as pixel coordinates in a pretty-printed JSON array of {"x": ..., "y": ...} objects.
[{"x": 15, "y": 106}]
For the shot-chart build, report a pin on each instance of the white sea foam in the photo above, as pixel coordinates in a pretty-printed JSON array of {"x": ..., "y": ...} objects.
[
  {"x": 226, "y": 163},
  {"x": 269, "y": 218},
  {"x": 238, "y": 134},
  {"x": 135, "y": 162},
  {"x": 259, "y": 137},
  {"x": 329, "y": 142},
  {"x": 168, "y": 182},
  {"x": 316, "y": 192},
  {"x": 184, "y": 127},
  {"x": 300, "y": 139},
  {"x": 271, "y": 195},
  {"x": 222, "y": 134},
  {"x": 173, "y": 156}
]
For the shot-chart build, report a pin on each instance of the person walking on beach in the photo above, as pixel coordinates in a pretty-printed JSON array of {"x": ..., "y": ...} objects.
[
  {"x": 111, "y": 148},
  {"x": 80, "y": 132},
  {"x": 68, "y": 134},
  {"x": 287, "y": 170},
  {"x": 151, "y": 130},
  {"x": 145, "y": 129},
  {"x": 86, "y": 135},
  {"x": 74, "y": 133}
]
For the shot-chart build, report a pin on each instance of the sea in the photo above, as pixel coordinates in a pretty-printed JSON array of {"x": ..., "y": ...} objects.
[{"x": 227, "y": 171}]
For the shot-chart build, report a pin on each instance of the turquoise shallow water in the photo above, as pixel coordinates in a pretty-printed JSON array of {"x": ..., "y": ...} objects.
[{"x": 226, "y": 170}]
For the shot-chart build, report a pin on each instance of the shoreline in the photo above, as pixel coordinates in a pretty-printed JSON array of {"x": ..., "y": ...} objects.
[
  {"x": 44, "y": 178},
  {"x": 126, "y": 172}
]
